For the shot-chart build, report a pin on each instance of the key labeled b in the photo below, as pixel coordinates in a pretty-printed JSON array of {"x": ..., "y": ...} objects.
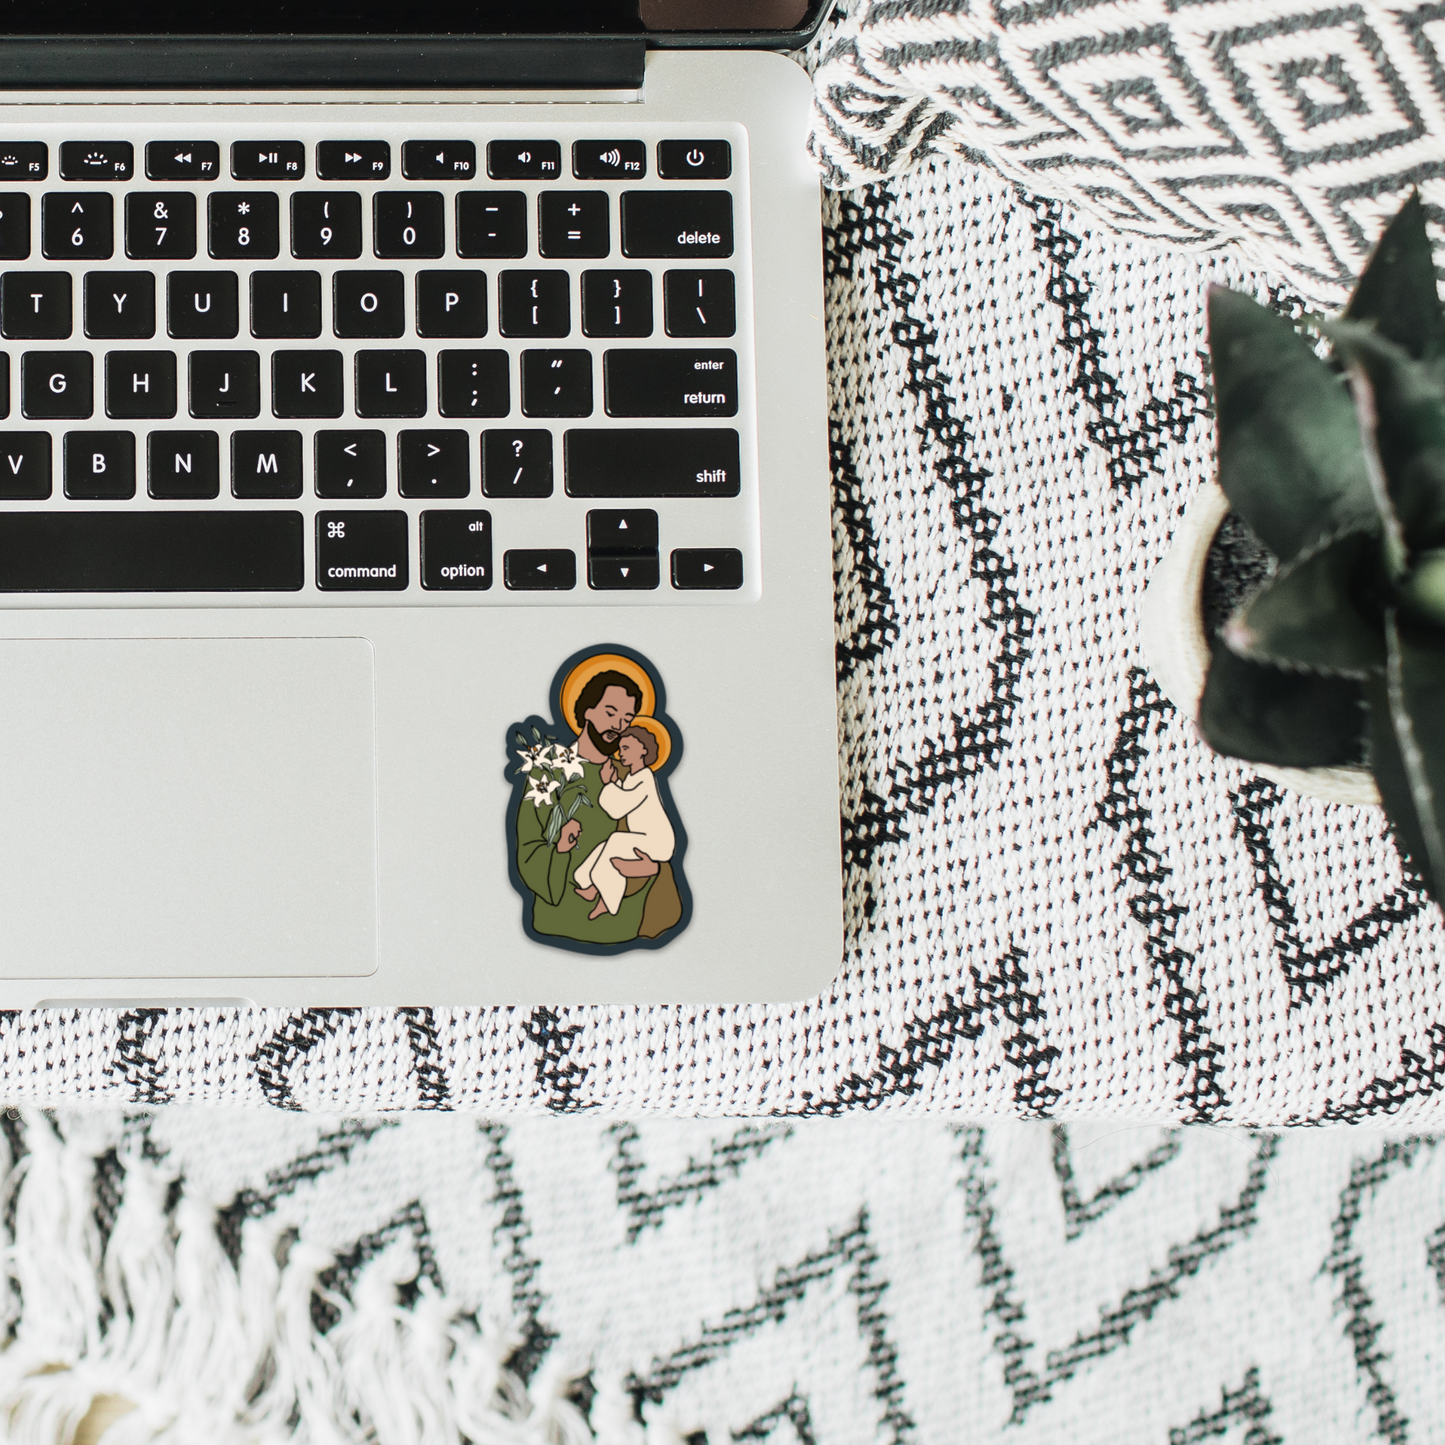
[{"x": 99, "y": 466}]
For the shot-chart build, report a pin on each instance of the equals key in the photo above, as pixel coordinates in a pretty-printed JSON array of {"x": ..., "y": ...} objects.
[{"x": 473, "y": 383}]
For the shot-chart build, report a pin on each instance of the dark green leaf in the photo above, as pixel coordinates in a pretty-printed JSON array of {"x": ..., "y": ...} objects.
[
  {"x": 1261, "y": 713},
  {"x": 1397, "y": 290},
  {"x": 1290, "y": 458},
  {"x": 1306, "y": 616},
  {"x": 1422, "y": 593},
  {"x": 536, "y": 735},
  {"x": 1409, "y": 406},
  {"x": 1407, "y": 747}
]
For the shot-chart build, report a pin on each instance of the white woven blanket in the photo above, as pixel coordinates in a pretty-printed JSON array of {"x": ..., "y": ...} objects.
[
  {"x": 1058, "y": 902},
  {"x": 203, "y": 1277}
]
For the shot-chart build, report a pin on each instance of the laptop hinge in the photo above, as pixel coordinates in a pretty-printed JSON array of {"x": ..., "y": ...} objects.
[{"x": 323, "y": 62}]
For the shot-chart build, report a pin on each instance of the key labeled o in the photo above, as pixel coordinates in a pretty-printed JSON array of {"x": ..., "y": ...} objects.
[{"x": 368, "y": 301}]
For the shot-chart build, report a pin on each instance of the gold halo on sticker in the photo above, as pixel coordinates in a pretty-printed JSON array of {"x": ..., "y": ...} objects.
[
  {"x": 588, "y": 668},
  {"x": 660, "y": 733}
]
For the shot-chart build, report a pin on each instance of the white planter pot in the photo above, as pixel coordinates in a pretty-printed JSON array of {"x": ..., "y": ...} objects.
[{"x": 1171, "y": 636}]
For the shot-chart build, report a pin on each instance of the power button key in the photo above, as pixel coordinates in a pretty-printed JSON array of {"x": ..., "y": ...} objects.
[{"x": 694, "y": 160}]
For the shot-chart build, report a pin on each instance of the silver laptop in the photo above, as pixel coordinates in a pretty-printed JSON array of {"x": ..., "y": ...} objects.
[{"x": 415, "y": 561}]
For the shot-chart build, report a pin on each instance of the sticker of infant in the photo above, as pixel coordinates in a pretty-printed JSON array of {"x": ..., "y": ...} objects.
[{"x": 633, "y": 796}]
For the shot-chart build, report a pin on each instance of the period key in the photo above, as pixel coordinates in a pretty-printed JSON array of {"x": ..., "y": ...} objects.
[
  {"x": 456, "y": 551},
  {"x": 361, "y": 551}
]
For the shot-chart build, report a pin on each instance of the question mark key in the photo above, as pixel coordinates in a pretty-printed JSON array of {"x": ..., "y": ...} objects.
[{"x": 517, "y": 463}]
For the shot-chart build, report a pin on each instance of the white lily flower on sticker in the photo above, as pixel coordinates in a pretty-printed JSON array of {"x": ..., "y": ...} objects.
[{"x": 571, "y": 764}]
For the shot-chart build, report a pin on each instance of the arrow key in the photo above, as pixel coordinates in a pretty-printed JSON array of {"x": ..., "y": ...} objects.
[
  {"x": 550, "y": 570},
  {"x": 612, "y": 532},
  {"x": 707, "y": 569},
  {"x": 629, "y": 572},
  {"x": 433, "y": 464}
]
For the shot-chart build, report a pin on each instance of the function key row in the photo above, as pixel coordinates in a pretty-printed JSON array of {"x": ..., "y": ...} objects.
[
  {"x": 60, "y": 385},
  {"x": 352, "y": 465},
  {"x": 286, "y": 305},
  {"x": 368, "y": 160},
  {"x": 246, "y": 225}
]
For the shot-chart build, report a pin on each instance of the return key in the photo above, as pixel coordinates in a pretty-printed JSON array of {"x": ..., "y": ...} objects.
[{"x": 671, "y": 382}]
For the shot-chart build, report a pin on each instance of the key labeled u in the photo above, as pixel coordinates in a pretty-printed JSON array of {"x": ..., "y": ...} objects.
[{"x": 196, "y": 297}]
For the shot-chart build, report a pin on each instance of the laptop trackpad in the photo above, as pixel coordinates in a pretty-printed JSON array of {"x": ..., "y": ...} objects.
[{"x": 187, "y": 808}]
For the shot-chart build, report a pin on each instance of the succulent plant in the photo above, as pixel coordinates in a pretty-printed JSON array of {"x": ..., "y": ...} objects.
[{"x": 1337, "y": 464}]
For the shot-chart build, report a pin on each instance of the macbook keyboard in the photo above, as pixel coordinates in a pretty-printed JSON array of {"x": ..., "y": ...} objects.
[{"x": 475, "y": 368}]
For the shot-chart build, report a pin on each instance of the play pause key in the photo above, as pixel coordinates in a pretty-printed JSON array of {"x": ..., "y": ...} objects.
[
  {"x": 544, "y": 570},
  {"x": 456, "y": 551}
]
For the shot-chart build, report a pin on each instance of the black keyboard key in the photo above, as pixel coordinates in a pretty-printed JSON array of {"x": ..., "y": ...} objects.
[
  {"x": 140, "y": 384},
  {"x": 353, "y": 160},
  {"x": 285, "y": 303},
  {"x": 160, "y": 225},
  {"x": 652, "y": 462},
  {"x": 677, "y": 223},
  {"x": 225, "y": 385},
  {"x": 707, "y": 569},
  {"x": 120, "y": 305},
  {"x": 268, "y": 160},
  {"x": 24, "y": 466},
  {"x": 244, "y": 225},
  {"x": 675, "y": 382},
  {"x": 183, "y": 160},
  {"x": 4, "y": 383},
  {"x": 409, "y": 223},
  {"x": 202, "y": 305},
  {"x": 79, "y": 226},
  {"x": 306, "y": 383},
  {"x": 609, "y": 160},
  {"x": 573, "y": 224},
  {"x": 57, "y": 384},
  {"x": 524, "y": 160},
  {"x": 614, "y": 532},
  {"x": 368, "y": 303},
  {"x": 456, "y": 551},
  {"x": 97, "y": 160},
  {"x": 36, "y": 304},
  {"x": 556, "y": 383},
  {"x": 265, "y": 464},
  {"x": 535, "y": 303},
  {"x": 550, "y": 570},
  {"x": 633, "y": 573},
  {"x": 439, "y": 160},
  {"x": 26, "y": 160},
  {"x": 150, "y": 551},
  {"x": 350, "y": 464},
  {"x": 433, "y": 464},
  {"x": 391, "y": 383},
  {"x": 699, "y": 303},
  {"x": 99, "y": 466},
  {"x": 473, "y": 383},
  {"x": 694, "y": 160},
  {"x": 326, "y": 224},
  {"x": 617, "y": 303},
  {"x": 183, "y": 465},
  {"x": 517, "y": 463},
  {"x": 361, "y": 551},
  {"x": 491, "y": 224},
  {"x": 451, "y": 303},
  {"x": 14, "y": 225}
]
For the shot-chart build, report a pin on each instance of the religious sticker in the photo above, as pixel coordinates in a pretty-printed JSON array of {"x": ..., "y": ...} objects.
[{"x": 596, "y": 844}]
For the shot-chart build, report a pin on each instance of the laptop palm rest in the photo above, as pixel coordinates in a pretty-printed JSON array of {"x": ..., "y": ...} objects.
[{"x": 199, "y": 808}]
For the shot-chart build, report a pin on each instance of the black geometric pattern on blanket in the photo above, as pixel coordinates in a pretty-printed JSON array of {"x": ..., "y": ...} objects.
[
  {"x": 1283, "y": 130},
  {"x": 435, "y": 1279},
  {"x": 1057, "y": 902}
]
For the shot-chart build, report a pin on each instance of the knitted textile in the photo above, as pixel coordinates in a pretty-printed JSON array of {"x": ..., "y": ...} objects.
[
  {"x": 239, "y": 1279},
  {"x": 1287, "y": 130},
  {"x": 1058, "y": 901}
]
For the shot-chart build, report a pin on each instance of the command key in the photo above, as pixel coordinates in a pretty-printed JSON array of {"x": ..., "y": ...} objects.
[{"x": 361, "y": 551}]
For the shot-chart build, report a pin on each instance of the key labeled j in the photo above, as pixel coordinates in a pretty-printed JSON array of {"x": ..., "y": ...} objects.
[
  {"x": 57, "y": 384},
  {"x": 225, "y": 384}
]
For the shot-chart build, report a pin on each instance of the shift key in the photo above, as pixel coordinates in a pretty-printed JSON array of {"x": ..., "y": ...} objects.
[
  {"x": 656, "y": 462},
  {"x": 671, "y": 383}
]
